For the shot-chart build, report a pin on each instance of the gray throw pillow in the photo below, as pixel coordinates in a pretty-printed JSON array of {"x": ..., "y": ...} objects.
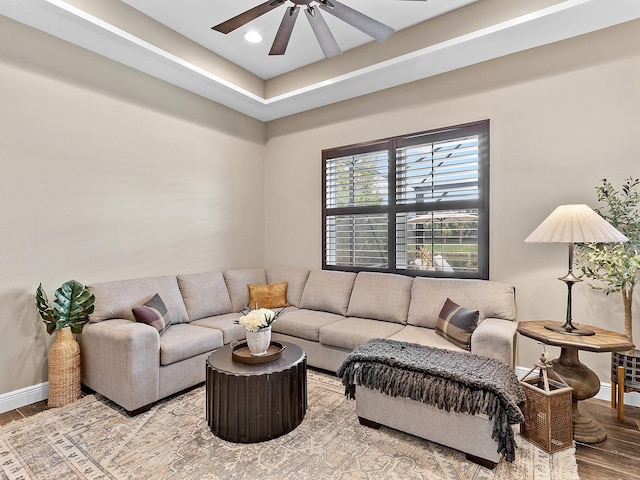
[{"x": 154, "y": 313}]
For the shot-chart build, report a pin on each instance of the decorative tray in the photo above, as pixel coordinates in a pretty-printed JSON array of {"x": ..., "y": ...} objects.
[{"x": 241, "y": 353}]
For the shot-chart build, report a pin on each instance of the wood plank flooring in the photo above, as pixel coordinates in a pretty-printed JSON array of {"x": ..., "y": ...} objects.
[
  {"x": 617, "y": 458},
  {"x": 23, "y": 412}
]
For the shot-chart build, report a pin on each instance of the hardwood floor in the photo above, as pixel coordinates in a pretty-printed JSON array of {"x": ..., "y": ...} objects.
[
  {"x": 617, "y": 458},
  {"x": 22, "y": 412}
]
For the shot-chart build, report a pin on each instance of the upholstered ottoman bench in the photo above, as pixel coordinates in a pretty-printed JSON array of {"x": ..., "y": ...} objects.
[{"x": 457, "y": 399}]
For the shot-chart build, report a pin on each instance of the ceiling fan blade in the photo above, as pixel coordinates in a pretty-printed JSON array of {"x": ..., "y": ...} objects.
[
  {"x": 320, "y": 28},
  {"x": 362, "y": 22},
  {"x": 245, "y": 17},
  {"x": 281, "y": 41}
]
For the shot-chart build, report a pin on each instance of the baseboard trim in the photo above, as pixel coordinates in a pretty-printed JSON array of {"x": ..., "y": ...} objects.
[
  {"x": 631, "y": 398},
  {"x": 36, "y": 393},
  {"x": 24, "y": 396}
]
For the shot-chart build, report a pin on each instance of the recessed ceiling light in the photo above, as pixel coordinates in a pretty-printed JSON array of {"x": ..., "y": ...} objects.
[{"x": 253, "y": 37}]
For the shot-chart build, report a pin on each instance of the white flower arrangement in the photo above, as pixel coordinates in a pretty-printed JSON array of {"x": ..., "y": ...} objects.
[{"x": 255, "y": 320}]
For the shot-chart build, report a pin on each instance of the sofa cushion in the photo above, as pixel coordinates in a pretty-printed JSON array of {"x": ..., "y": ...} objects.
[
  {"x": 491, "y": 299},
  {"x": 153, "y": 313},
  {"x": 185, "y": 341},
  {"x": 328, "y": 291},
  {"x": 237, "y": 281},
  {"x": 304, "y": 323},
  {"x": 456, "y": 324},
  {"x": 296, "y": 279},
  {"x": 225, "y": 323},
  {"x": 116, "y": 299},
  {"x": 381, "y": 296},
  {"x": 351, "y": 332},
  {"x": 204, "y": 294},
  {"x": 268, "y": 296},
  {"x": 424, "y": 336}
]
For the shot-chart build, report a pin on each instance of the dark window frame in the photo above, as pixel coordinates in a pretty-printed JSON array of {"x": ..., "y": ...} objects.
[{"x": 391, "y": 144}]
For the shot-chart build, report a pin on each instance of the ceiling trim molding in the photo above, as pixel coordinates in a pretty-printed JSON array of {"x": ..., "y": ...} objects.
[{"x": 558, "y": 22}]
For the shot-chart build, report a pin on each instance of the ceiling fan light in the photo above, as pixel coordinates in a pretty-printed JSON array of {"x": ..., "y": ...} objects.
[{"x": 253, "y": 37}]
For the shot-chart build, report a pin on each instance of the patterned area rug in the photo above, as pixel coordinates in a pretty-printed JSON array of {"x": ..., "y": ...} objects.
[{"x": 94, "y": 439}]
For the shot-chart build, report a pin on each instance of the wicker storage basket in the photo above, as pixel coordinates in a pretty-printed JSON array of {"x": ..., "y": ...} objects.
[
  {"x": 547, "y": 413},
  {"x": 64, "y": 369}
]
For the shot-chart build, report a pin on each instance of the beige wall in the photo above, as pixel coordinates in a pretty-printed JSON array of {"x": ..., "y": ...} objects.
[
  {"x": 562, "y": 118},
  {"x": 109, "y": 174}
]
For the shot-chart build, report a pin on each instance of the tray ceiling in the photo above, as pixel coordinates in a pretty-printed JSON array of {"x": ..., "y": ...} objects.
[{"x": 548, "y": 23}]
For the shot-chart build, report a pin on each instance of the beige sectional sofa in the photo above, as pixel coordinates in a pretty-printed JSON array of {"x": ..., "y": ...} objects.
[{"x": 330, "y": 313}]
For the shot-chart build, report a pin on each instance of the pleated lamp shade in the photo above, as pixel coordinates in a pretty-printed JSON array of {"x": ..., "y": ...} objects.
[{"x": 575, "y": 224}]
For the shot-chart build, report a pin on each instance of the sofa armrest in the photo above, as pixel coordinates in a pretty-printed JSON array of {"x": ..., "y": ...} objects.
[
  {"x": 496, "y": 338},
  {"x": 121, "y": 360}
]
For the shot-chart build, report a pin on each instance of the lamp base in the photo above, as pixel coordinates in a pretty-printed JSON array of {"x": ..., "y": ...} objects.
[{"x": 570, "y": 329}]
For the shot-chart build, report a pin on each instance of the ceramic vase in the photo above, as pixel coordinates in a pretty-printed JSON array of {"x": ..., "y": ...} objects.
[
  {"x": 64, "y": 369},
  {"x": 258, "y": 342}
]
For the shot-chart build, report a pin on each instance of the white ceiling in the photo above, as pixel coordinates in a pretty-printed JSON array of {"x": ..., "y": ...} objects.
[
  {"x": 543, "y": 25},
  {"x": 194, "y": 19}
]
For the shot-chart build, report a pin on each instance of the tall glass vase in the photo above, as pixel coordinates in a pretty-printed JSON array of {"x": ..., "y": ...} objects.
[
  {"x": 64, "y": 369},
  {"x": 258, "y": 342}
]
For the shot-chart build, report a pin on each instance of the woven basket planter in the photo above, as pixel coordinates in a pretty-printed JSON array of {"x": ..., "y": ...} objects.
[
  {"x": 631, "y": 365},
  {"x": 64, "y": 369}
]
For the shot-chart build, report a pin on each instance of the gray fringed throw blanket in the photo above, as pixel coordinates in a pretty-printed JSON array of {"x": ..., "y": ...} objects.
[{"x": 449, "y": 380}]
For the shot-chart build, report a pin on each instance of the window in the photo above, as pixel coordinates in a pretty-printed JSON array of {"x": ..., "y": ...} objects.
[{"x": 416, "y": 204}]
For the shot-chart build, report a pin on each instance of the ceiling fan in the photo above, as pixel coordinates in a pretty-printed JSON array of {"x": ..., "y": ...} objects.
[{"x": 375, "y": 29}]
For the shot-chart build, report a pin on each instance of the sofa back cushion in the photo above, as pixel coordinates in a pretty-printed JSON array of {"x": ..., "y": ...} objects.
[
  {"x": 204, "y": 294},
  {"x": 116, "y": 299},
  {"x": 491, "y": 299},
  {"x": 296, "y": 279},
  {"x": 381, "y": 296},
  {"x": 237, "y": 281},
  {"x": 328, "y": 291}
]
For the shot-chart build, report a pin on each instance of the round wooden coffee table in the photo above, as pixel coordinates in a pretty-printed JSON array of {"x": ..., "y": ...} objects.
[
  {"x": 584, "y": 381},
  {"x": 248, "y": 403}
]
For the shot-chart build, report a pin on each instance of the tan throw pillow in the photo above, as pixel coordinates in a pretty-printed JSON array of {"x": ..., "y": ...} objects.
[
  {"x": 456, "y": 324},
  {"x": 268, "y": 296}
]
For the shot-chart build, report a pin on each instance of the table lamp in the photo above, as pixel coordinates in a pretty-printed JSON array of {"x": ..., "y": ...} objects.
[{"x": 574, "y": 224}]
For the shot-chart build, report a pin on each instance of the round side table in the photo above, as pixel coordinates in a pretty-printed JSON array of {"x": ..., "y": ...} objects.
[
  {"x": 248, "y": 403},
  {"x": 582, "y": 379}
]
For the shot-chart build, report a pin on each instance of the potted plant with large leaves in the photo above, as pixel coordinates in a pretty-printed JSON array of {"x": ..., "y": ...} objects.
[
  {"x": 615, "y": 268},
  {"x": 69, "y": 313}
]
